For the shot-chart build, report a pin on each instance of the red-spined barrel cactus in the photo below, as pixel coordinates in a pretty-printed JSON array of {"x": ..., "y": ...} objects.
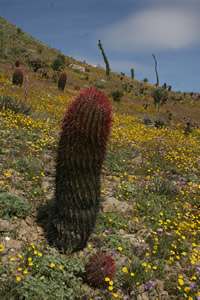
[
  {"x": 17, "y": 63},
  {"x": 62, "y": 81},
  {"x": 18, "y": 76},
  {"x": 99, "y": 267},
  {"x": 80, "y": 155}
]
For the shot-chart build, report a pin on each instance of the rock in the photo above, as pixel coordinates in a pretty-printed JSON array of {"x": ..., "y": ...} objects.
[
  {"x": 164, "y": 296},
  {"x": 145, "y": 296},
  {"x": 141, "y": 233},
  {"x": 4, "y": 225},
  {"x": 140, "y": 289},
  {"x": 13, "y": 244},
  {"x": 112, "y": 204},
  {"x": 29, "y": 221},
  {"x": 77, "y": 67},
  {"x": 24, "y": 239},
  {"x": 121, "y": 231},
  {"x": 40, "y": 230},
  {"x": 139, "y": 297},
  {"x": 160, "y": 285},
  {"x": 137, "y": 160},
  {"x": 23, "y": 224},
  {"x": 22, "y": 232}
]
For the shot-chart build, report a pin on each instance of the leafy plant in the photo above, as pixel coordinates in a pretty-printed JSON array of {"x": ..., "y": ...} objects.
[
  {"x": 160, "y": 97},
  {"x": 55, "y": 277},
  {"x": 58, "y": 63},
  {"x": 117, "y": 95},
  {"x": 100, "y": 85},
  {"x": 147, "y": 121},
  {"x": 12, "y": 205},
  {"x": 16, "y": 105},
  {"x": 160, "y": 123},
  {"x": 37, "y": 64}
]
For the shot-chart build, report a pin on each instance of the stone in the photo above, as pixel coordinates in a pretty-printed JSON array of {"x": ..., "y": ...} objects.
[
  {"x": 22, "y": 232},
  {"x": 34, "y": 236},
  {"x": 137, "y": 160},
  {"x": 160, "y": 285},
  {"x": 140, "y": 289},
  {"x": 141, "y": 233},
  {"x": 145, "y": 296},
  {"x": 164, "y": 296},
  {"x": 24, "y": 239},
  {"x": 139, "y": 297},
  {"x": 29, "y": 221},
  {"x": 40, "y": 230},
  {"x": 13, "y": 244},
  {"x": 4, "y": 225},
  {"x": 112, "y": 204},
  {"x": 77, "y": 67}
]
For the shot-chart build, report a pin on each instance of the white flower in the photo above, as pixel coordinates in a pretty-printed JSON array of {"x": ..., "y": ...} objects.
[{"x": 7, "y": 238}]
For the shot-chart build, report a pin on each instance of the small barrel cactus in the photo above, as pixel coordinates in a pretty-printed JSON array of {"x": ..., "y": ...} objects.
[
  {"x": 99, "y": 267},
  {"x": 18, "y": 76},
  {"x": 80, "y": 156},
  {"x": 62, "y": 81},
  {"x": 17, "y": 63}
]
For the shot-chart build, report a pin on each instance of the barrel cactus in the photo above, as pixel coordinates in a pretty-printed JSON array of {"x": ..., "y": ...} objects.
[
  {"x": 100, "y": 267},
  {"x": 81, "y": 151},
  {"x": 17, "y": 63},
  {"x": 62, "y": 81},
  {"x": 18, "y": 76}
]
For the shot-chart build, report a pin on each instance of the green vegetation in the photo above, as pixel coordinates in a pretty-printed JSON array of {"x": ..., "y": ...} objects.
[{"x": 12, "y": 205}]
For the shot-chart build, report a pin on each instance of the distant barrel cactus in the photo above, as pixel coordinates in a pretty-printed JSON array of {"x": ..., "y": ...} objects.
[
  {"x": 62, "y": 81},
  {"x": 17, "y": 63},
  {"x": 80, "y": 155},
  {"x": 18, "y": 76},
  {"x": 98, "y": 268}
]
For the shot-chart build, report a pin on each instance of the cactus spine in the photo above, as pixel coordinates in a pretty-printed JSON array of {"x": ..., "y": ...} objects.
[
  {"x": 18, "y": 76},
  {"x": 62, "y": 81},
  {"x": 80, "y": 155}
]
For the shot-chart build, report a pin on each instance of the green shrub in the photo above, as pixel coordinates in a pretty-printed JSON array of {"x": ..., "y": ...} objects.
[
  {"x": 147, "y": 121},
  {"x": 58, "y": 63},
  {"x": 117, "y": 95},
  {"x": 16, "y": 105},
  {"x": 160, "y": 97},
  {"x": 160, "y": 123},
  {"x": 12, "y": 205},
  {"x": 56, "y": 277},
  {"x": 37, "y": 64},
  {"x": 100, "y": 85}
]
